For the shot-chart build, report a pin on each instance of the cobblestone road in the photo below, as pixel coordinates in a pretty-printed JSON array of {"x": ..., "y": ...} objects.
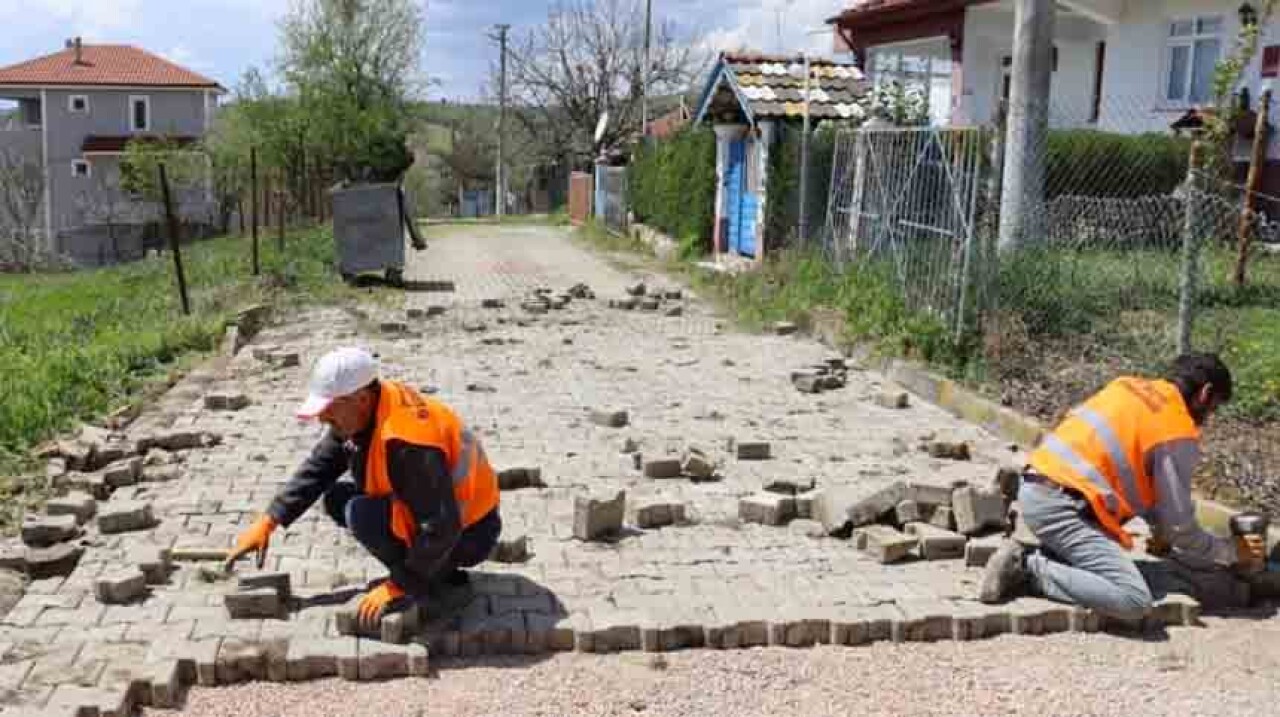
[{"x": 526, "y": 383}]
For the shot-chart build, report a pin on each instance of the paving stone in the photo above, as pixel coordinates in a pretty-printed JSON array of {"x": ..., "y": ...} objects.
[
  {"x": 178, "y": 440},
  {"x": 892, "y": 399},
  {"x": 977, "y": 510},
  {"x": 923, "y": 621},
  {"x": 511, "y": 549},
  {"x": 1177, "y": 609},
  {"x": 380, "y": 661},
  {"x": 650, "y": 304},
  {"x": 674, "y": 311},
  {"x": 947, "y": 450},
  {"x": 90, "y": 701},
  {"x": 58, "y": 560},
  {"x": 663, "y": 468},
  {"x": 492, "y": 304},
  {"x": 1037, "y": 616},
  {"x": 397, "y": 627},
  {"x": 535, "y": 307},
  {"x": 610, "y": 418},
  {"x": 599, "y": 516},
  {"x": 624, "y": 304},
  {"x": 795, "y": 629},
  {"x": 943, "y": 517},
  {"x": 972, "y": 620},
  {"x": 784, "y": 328},
  {"x": 885, "y": 544},
  {"x": 92, "y": 483},
  {"x": 929, "y": 495},
  {"x": 667, "y": 634},
  {"x": 637, "y": 289},
  {"x": 841, "y": 508},
  {"x": 166, "y": 681},
  {"x": 766, "y": 508},
  {"x": 732, "y": 628},
  {"x": 907, "y": 511},
  {"x": 658, "y": 513},
  {"x": 786, "y": 487},
  {"x": 153, "y": 561},
  {"x": 227, "y": 400},
  {"x": 41, "y": 531},
  {"x": 198, "y": 658},
  {"x": 240, "y": 661},
  {"x": 393, "y": 327},
  {"x": 519, "y": 478},
  {"x": 807, "y": 382},
  {"x": 125, "y": 516},
  {"x": 316, "y": 658},
  {"x": 807, "y": 528},
  {"x": 247, "y": 604},
  {"x": 752, "y": 451},
  {"x": 121, "y": 587},
  {"x": 863, "y": 625},
  {"x": 160, "y": 474},
  {"x": 805, "y": 502},
  {"x": 1084, "y": 620},
  {"x": 698, "y": 465},
  {"x": 278, "y": 581},
  {"x": 979, "y": 550},
  {"x": 936, "y": 543},
  {"x": 78, "y": 504},
  {"x": 547, "y": 633}
]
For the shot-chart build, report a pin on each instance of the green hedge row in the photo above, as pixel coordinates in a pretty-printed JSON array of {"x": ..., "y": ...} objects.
[
  {"x": 672, "y": 186},
  {"x": 782, "y": 215},
  {"x": 1091, "y": 163}
]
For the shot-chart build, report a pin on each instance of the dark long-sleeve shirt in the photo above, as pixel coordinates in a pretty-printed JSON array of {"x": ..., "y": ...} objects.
[
  {"x": 1173, "y": 517},
  {"x": 420, "y": 478}
]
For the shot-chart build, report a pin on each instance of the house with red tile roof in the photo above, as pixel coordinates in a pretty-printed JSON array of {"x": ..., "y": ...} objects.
[{"x": 76, "y": 111}]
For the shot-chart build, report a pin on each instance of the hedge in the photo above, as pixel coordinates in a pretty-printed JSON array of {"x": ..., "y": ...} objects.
[
  {"x": 672, "y": 186},
  {"x": 782, "y": 213},
  {"x": 1092, "y": 163}
]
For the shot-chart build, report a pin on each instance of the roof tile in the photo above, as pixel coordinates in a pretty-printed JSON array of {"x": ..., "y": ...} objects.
[{"x": 104, "y": 65}]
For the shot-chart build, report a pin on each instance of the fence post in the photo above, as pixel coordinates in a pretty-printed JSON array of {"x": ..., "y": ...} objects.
[
  {"x": 174, "y": 244},
  {"x": 280, "y": 211},
  {"x": 1261, "y": 136},
  {"x": 989, "y": 271},
  {"x": 253, "y": 198},
  {"x": 1190, "y": 248}
]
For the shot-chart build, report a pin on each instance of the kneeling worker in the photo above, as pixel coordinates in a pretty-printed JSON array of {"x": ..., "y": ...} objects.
[
  {"x": 400, "y": 471},
  {"x": 1129, "y": 451}
]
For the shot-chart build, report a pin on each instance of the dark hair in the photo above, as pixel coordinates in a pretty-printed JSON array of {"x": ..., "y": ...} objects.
[{"x": 1191, "y": 372}]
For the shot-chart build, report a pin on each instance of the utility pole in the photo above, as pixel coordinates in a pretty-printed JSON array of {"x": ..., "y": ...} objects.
[
  {"x": 644, "y": 74},
  {"x": 501, "y": 189},
  {"x": 1022, "y": 203},
  {"x": 804, "y": 159}
]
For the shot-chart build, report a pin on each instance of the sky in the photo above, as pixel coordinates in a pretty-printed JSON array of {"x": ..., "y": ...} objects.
[{"x": 223, "y": 38}]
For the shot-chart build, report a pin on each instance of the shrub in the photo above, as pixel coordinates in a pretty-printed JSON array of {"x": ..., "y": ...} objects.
[
  {"x": 782, "y": 213},
  {"x": 1104, "y": 164},
  {"x": 672, "y": 186}
]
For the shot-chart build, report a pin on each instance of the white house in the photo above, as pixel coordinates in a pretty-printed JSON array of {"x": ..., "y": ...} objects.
[{"x": 1120, "y": 65}]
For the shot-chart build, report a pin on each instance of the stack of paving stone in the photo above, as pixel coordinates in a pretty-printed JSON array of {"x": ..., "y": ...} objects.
[
  {"x": 640, "y": 296},
  {"x": 828, "y": 376},
  {"x": 543, "y": 300}
]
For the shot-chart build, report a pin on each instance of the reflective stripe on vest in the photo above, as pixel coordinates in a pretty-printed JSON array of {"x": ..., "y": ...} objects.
[
  {"x": 1119, "y": 459},
  {"x": 1068, "y": 455}
]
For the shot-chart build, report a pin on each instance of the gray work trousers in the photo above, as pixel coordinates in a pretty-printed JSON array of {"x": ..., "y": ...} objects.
[{"x": 1079, "y": 562}]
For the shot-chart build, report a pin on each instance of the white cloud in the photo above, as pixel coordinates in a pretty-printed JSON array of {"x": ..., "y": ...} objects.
[
  {"x": 773, "y": 26},
  {"x": 182, "y": 55},
  {"x": 95, "y": 20}
]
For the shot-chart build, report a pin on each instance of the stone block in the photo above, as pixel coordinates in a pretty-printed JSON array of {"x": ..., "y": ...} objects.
[
  {"x": 766, "y": 508},
  {"x": 977, "y": 510},
  {"x": 807, "y": 382},
  {"x": 78, "y": 504},
  {"x": 94, "y": 484},
  {"x": 492, "y": 304},
  {"x": 228, "y": 400},
  {"x": 598, "y": 517},
  {"x": 380, "y": 661},
  {"x": 929, "y": 495},
  {"x": 733, "y": 628},
  {"x": 1177, "y": 609},
  {"x": 55, "y": 561},
  {"x": 845, "y": 507},
  {"x": 625, "y": 304},
  {"x": 650, "y": 304},
  {"x": 752, "y": 451},
  {"x": 787, "y": 487},
  {"x": 166, "y": 683},
  {"x": 674, "y": 311},
  {"x": 154, "y": 563},
  {"x": 663, "y": 468},
  {"x": 936, "y": 543},
  {"x": 863, "y": 625},
  {"x": 277, "y": 581},
  {"x": 535, "y": 307},
  {"x": 656, "y": 514},
  {"x": 397, "y": 627},
  {"x": 1084, "y": 620},
  {"x": 892, "y": 399},
  {"x": 947, "y": 450},
  {"x": 41, "y": 531},
  {"x": 254, "y": 603},
  {"x": 943, "y": 517},
  {"x": 178, "y": 440},
  {"x": 907, "y": 511},
  {"x": 160, "y": 474},
  {"x": 609, "y": 418},
  {"x": 698, "y": 465},
  {"x": 923, "y": 620},
  {"x": 316, "y": 658},
  {"x": 70, "y": 699},
  {"x": 885, "y": 544},
  {"x": 393, "y": 327},
  {"x": 519, "y": 478},
  {"x": 547, "y": 633},
  {"x": 121, "y": 587},
  {"x": 637, "y": 289},
  {"x": 511, "y": 549},
  {"x": 474, "y": 327},
  {"x": 979, "y": 550},
  {"x": 805, "y": 502},
  {"x": 123, "y": 472},
  {"x": 240, "y": 661},
  {"x": 125, "y": 516}
]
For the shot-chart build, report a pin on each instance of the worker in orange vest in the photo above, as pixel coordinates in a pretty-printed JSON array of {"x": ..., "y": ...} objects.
[
  {"x": 1128, "y": 451},
  {"x": 400, "y": 471}
]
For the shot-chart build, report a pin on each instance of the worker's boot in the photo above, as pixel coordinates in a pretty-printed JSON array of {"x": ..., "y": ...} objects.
[{"x": 1005, "y": 575}]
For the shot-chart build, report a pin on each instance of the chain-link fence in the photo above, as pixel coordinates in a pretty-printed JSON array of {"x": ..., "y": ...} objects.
[
  {"x": 611, "y": 197},
  {"x": 1121, "y": 249}
]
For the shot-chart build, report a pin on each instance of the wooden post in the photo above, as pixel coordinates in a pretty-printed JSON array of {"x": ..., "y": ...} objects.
[
  {"x": 1190, "y": 248},
  {"x": 253, "y": 194},
  {"x": 1261, "y": 135},
  {"x": 280, "y": 194},
  {"x": 174, "y": 244}
]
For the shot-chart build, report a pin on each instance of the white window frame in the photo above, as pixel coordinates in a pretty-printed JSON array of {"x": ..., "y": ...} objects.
[
  {"x": 1188, "y": 41},
  {"x": 71, "y": 104},
  {"x": 75, "y": 169},
  {"x": 133, "y": 101}
]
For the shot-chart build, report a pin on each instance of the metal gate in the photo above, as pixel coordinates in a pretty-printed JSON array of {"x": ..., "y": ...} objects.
[{"x": 906, "y": 200}]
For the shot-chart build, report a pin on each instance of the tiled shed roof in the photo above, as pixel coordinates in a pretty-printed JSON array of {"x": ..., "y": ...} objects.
[{"x": 773, "y": 86}]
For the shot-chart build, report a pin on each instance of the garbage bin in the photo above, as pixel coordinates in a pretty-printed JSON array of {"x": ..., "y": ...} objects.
[{"x": 369, "y": 222}]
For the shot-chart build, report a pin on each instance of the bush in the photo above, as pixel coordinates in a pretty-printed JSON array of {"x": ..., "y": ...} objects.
[
  {"x": 782, "y": 213},
  {"x": 672, "y": 186},
  {"x": 1104, "y": 164}
]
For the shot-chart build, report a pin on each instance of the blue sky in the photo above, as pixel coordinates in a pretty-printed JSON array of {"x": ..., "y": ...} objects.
[{"x": 222, "y": 38}]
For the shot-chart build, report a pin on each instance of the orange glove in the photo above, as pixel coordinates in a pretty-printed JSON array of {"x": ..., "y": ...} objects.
[
  {"x": 375, "y": 603},
  {"x": 256, "y": 537},
  {"x": 1251, "y": 553}
]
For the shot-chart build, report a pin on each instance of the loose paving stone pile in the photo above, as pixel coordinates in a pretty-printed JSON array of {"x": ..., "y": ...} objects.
[{"x": 827, "y": 376}]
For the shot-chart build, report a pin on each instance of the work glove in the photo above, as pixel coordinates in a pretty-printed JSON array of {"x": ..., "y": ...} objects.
[
  {"x": 255, "y": 537},
  {"x": 375, "y": 603},
  {"x": 1158, "y": 547},
  {"x": 1251, "y": 553}
]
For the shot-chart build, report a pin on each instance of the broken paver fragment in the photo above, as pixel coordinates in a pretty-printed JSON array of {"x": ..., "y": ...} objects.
[
  {"x": 977, "y": 510},
  {"x": 884, "y": 543},
  {"x": 40, "y": 531},
  {"x": 663, "y": 468},
  {"x": 120, "y": 587},
  {"x": 698, "y": 465},
  {"x": 226, "y": 401},
  {"x": 947, "y": 450},
  {"x": 842, "y": 508},
  {"x": 598, "y": 517},
  {"x": 80, "y": 505},
  {"x": 936, "y": 543},
  {"x": 123, "y": 472},
  {"x": 767, "y": 508},
  {"x": 610, "y": 419},
  {"x": 892, "y": 399},
  {"x": 511, "y": 549},
  {"x": 124, "y": 516},
  {"x": 752, "y": 451},
  {"x": 252, "y": 603}
]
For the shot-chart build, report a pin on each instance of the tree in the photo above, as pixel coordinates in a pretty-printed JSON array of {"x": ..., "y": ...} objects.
[
  {"x": 586, "y": 60},
  {"x": 186, "y": 168},
  {"x": 21, "y": 199}
]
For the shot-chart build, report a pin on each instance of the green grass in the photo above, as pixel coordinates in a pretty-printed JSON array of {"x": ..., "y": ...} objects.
[{"x": 75, "y": 346}]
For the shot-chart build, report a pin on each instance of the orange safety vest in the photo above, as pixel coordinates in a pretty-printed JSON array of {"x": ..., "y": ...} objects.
[
  {"x": 1102, "y": 448},
  {"x": 405, "y": 415}
]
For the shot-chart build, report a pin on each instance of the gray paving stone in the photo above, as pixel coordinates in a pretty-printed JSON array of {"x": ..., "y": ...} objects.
[
  {"x": 91, "y": 701},
  {"x": 734, "y": 628},
  {"x": 54, "y": 561},
  {"x": 397, "y": 627},
  {"x": 519, "y": 478},
  {"x": 805, "y": 502},
  {"x": 41, "y": 531},
  {"x": 197, "y": 657},
  {"x": 598, "y": 517},
  {"x": 511, "y": 549},
  {"x": 1176, "y": 609},
  {"x": 609, "y": 418},
  {"x": 979, "y": 550},
  {"x": 842, "y": 508},
  {"x": 154, "y": 563},
  {"x": 659, "y": 513},
  {"x": 547, "y": 633},
  {"x": 380, "y": 661},
  {"x": 315, "y": 658},
  {"x": 277, "y": 581},
  {"x": 95, "y": 484},
  {"x": 121, "y": 586},
  {"x": 240, "y": 661},
  {"x": 907, "y": 511},
  {"x": 226, "y": 400},
  {"x": 125, "y": 516},
  {"x": 936, "y": 543},
  {"x": 892, "y": 399},
  {"x": 923, "y": 621},
  {"x": 766, "y": 508},
  {"x": 978, "y": 510},
  {"x": 663, "y": 468},
  {"x": 863, "y": 625},
  {"x": 78, "y": 504},
  {"x": 884, "y": 544},
  {"x": 254, "y": 603},
  {"x": 1036, "y": 616},
  {"x": 753, "y": 451},
  {"x": 166, "y": 681},
  {"x": 943, "y": 517},
  {"x": 698, "y": 465}
]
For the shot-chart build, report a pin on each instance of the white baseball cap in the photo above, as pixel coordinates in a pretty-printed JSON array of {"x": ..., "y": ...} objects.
[{"x": 340, "y": 372}]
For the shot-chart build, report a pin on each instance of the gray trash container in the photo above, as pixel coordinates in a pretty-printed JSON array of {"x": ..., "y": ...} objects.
[{"x": 369, "y": 223}]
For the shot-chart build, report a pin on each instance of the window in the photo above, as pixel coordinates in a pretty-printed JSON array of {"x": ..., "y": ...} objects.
[
  {"x": 79, "y": 168},
  {"x": 32, "y": 113},
  {"x": 1194, "y": 48},
  {"x": 78, "y": 104},
  {"x": 921, "y": 67},
  {"x": 140, "y": 114},
  {"x": 1271, "y": 61}
]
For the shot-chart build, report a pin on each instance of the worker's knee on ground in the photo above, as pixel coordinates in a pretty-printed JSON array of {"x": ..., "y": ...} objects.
[{"x": 1133, "y": 603}]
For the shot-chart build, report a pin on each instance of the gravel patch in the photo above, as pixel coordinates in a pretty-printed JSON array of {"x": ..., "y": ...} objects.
[{"x": 1227, "y": 669}]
